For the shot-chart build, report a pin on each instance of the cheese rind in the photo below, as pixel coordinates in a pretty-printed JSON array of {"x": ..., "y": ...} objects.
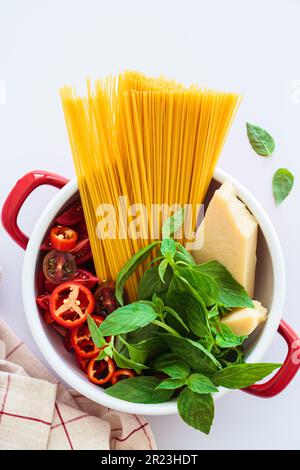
[
  {"x": 243, "y": 321},
  {"x": 230, "y": 236}
]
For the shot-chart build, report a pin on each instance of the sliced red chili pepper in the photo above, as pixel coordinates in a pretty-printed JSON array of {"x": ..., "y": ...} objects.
[
  {"x": 83, "y": 363},
  {"x": 48, "y": 319},
  {"x": 70, "y": 303},
  {"x": 43, "y": 301},
  {"x": 101, "y": 372},
  {"x": 82, "y": 251},
  {"x": 105, "y": 299},
  {"x": 63, "y": 238},
  {"x": 59, "y": 329},
  {"x": 82, "y": 341},
  {"x": 121, "y": 374},
  {"x": 72, "y": 216}
]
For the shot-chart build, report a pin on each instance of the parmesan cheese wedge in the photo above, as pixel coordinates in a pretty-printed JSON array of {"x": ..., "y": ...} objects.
[
  {"x": 229, "y": 236},
  {"x": 243, "y": 321}
]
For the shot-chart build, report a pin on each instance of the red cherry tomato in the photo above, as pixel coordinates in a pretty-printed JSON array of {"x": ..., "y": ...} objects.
[
  {"x": 105, "y": 300},
  {"x": 59, "y": 266},
  {"x": 121, "y": 374},
  {"x": 101, "y": 372},
  {"x": 43, "y": 301},
  {"x": 71, "y": 216},
  {"x": 63, "y": 238},
  {"x": 82, "y": 251},
  {"x": 70, "y": 303}
]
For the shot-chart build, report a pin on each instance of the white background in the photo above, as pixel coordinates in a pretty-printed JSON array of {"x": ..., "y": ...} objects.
[{"x": 250, "y": 47}]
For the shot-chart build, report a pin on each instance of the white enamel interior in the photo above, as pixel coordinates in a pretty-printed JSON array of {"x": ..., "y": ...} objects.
[{"x": 269, "y": 288}]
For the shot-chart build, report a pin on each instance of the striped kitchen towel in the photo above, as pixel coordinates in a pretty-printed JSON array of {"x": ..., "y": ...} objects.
[{"x": 38, "y": 412}]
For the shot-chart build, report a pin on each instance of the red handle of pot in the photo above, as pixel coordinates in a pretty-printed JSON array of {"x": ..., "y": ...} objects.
[
  {"x": 287, "y": 371},
  {"x": 18, "y": 196}
]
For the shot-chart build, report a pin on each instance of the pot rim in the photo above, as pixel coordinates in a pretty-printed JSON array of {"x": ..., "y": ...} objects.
[{"x": 79, "y": 383}]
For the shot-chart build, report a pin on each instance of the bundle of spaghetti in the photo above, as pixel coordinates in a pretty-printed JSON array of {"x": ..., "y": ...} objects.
[{"x": 151, "y": 140}]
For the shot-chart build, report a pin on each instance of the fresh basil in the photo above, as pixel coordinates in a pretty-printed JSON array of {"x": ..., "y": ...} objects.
[
  {"x": 225, "y": 338},
  {"x": 96, "y": 334},
  {"x": 199, "y": 383},
  {"x": 151, "y": 282},
  {"x": 129, "y": 268},
  {"x": 172, "y": 224},
  {"x": 243, "y": 375},
  {"x": 171, "y": 384},
  {"x": 283, "y": 181},
  {"x": 260, "y": 140},
  {"x": 168, "y": 248},
  {"x": 140, "y": 390},
  {"x": 162, "y": 269},
  {"x": 125, "y": 363},
  {"x": 197, "y": 410},
  {"x": 205, "y": 285},
  {"x": 171, "y": 365},
  {"x": 128, "y": 318},
  {"x": 183, "y": 255},
  {"x": 192, "y": 352},
  {"x": 231, "y": 293},
  {"x": 145, "y": 350},
  {"x": 192, "y": 309}
]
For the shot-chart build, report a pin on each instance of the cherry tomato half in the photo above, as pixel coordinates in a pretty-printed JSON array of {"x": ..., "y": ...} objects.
[
  {"x": 71, "y": 216},
  {"x": 101, "y": 372},
  {"x": 43, "y": 301},
  {"x": 59, "y": 267},
  {"x": 105, "y": 299},
  {"x": 82, "y": 341},
  {"x": 82, "y": 251},
  {"x": 121, "y": 374},
  {"x": 70, "y": 303},
  {"x": 63, "y": 238}
]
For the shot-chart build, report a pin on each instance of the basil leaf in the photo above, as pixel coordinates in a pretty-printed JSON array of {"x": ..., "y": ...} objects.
[
  {"x": 171, "y": 384},
  {"x": 225, "y": 338},
  {"x": 193, "y": 353},
  {"x": 283, "y": 181},
  {"x": 168, "y": 248},
  {"x": 172, "y": 224},
  {"x": 162, "y": 269},
  {"x": 145, "y": 350},
  {"x": 182, "y": 254},
  {"x": 139, "y": 390},
  {"x": 96, "y": 334},
  {"x": 129, "y": 268},
  {"x": 128, "y": 318},
  {"x": 125, "y": 363},
  {"x": 260, "y": 140},
  {"x": 243, "y": 375},
  {"x": 193, "y": 309},
  {"x": 231, "y": 293},
  {"x": 196, "y": 410},
  {"x": 205, "y": 285},
  {"x": 151, "y": 282},
  {"x": 199, "y": 383},
  {"x": 171, "y": 365},
  {"x": 213, "y": 312}
]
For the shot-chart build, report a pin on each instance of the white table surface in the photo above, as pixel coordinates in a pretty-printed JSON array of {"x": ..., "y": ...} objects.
[{"x": 251, "y": 47}]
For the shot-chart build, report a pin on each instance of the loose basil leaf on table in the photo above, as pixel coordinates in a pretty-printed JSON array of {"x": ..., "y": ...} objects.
[
  {"x": 129, "y": 268},
  {"x": 243, "y": 375},
  {"x": 193, "y": 309},
  {"x": 171, "y": 384},
  {"x": 171, "y": 365},
  {"x": 172, "y": 224},
  {"x": 128, "y": 318},
  {"x": 140, "y": 390},
  {"x": 231, "y": 293},
  {"x": 260, "y": 140},
  {"x": 197, "y": 410},
  {"x": 282, "y": 183},
  {"x": 199, "y": 383},
  {"x": 192, "y": 352}
]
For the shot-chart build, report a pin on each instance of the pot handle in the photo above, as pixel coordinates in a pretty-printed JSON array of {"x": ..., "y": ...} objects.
[
  {"x": 287, "y": 371},
  {"x": 18, "y": 196}
]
